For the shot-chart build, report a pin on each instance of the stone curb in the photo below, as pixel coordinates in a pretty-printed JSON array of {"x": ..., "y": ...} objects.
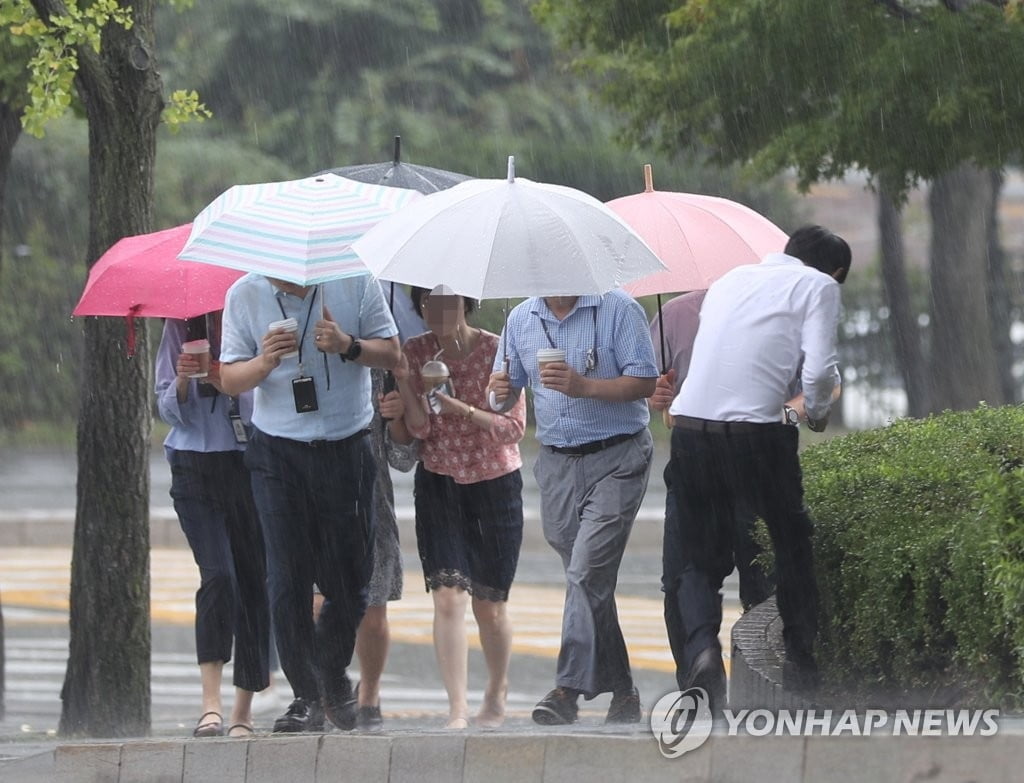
[{"x": 551, "y": 758}]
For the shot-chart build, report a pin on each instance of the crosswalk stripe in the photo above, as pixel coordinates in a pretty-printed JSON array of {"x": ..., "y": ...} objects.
[{"x": 34, "y": 590}]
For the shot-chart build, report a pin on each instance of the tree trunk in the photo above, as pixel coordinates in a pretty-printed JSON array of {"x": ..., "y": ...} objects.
[
  {"x": 906, "y": 334},
  {"x": 999, "y": 296},
  {"x": 106, "y": 687},
  {"x": 964, "y": 368},
  {"x": 10, "y": 130}
]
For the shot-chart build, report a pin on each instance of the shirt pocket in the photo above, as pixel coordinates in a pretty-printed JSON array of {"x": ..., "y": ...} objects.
[{"x": 602, "y": 365}]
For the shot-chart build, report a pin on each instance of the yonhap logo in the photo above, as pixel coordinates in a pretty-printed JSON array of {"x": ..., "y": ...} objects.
[{"x": 681, "y": 721}]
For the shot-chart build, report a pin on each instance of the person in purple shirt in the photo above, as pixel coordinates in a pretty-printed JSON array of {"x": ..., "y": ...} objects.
[{"x": 212, "y": 497}]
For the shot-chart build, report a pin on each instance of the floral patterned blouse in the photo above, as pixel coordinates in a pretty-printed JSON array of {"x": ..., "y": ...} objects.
[{"x": 451, "y": 445}]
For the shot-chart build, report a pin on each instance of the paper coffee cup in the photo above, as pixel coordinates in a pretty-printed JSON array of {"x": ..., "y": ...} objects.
[
  {"x": 286, "y": 325},
  {"x": 548, "y": 355},
  {"x": 201, "y": 350}
]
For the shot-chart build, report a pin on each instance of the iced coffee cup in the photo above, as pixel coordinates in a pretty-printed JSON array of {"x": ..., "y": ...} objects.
[
  {"x": 201, "y": 350},
  {"x": 286, "y": 325},
  {"x": 546, "y": 356},
  {"x": 436, "y": 378}
]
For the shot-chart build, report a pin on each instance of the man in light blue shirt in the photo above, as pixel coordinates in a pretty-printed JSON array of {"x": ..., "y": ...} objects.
[
  {"x": 592, "y": 472},
  {"x": 312, "y": 468}
]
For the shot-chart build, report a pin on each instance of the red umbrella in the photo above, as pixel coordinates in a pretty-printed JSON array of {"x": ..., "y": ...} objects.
[
  {"x": 141, "y": 276},
  {"x": 699, "y": 238}
]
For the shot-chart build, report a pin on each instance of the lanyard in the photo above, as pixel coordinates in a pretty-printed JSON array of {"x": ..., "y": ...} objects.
[
  {"x": 305, "y": 326},
  {"x": 591, "y": 361}
]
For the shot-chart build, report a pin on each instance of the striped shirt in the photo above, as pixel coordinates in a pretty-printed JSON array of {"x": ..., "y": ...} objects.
[{"x": 613, "y": 330}]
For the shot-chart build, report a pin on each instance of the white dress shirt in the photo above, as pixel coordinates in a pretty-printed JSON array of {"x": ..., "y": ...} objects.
[{"x": 766, "y": 330}]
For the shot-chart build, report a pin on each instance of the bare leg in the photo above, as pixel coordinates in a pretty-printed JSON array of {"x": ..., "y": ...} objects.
[
  {"x": 210, "y": 676},
  {"x": 496, "y": 641},
  {"x": 372, "y": 640},
  {"x": 452, "y": 650},
  {"x": 241, "y": 713}
]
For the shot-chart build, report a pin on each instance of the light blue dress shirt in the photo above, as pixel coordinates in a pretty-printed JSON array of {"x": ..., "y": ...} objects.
[
  {"x": 613, "y": 328},
  {"x": 358, "y": 307},
  {"x": 198, "y": 423}
]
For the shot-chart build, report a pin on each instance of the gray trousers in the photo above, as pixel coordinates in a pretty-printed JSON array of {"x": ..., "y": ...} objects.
[{"x": 588, "y": 504}]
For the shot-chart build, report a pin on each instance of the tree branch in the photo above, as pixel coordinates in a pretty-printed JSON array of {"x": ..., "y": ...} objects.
[{"x": 93, "y": 77}]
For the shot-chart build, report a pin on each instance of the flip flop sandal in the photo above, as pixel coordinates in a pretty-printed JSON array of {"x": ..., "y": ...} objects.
[
  {"x": 244, "y": 730},
  {"x": 212, "y": 728}
]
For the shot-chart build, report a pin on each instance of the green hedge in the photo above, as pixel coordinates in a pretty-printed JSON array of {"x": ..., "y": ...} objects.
[{"x": 919, "y": 544}]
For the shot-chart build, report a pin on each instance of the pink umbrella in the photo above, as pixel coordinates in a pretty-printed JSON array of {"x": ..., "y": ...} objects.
[
  {"x": 699, "y": 238},
  {"x": 141, "y": 276}
]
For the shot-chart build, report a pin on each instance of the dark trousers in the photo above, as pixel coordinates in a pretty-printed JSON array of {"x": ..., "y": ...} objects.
[
  {"x": 315, "y": 503},
  {"x": 755, "y": 585},
  {"x": 213, "y": 501},
  {"x": 712, "y": 474}
]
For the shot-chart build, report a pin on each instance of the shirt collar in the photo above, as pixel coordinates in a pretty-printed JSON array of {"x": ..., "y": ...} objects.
[
  {"x": 778, "y": 259},
  {"x": 540, "y": 307}
]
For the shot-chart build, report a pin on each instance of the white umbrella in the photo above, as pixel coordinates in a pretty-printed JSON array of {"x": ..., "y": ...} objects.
[
  {"x": 500, "y": 238},
  {"x": 299, "y": 230}
]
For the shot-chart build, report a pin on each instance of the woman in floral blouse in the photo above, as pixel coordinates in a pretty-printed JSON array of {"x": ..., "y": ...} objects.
[{"x": 468, "y": 497}]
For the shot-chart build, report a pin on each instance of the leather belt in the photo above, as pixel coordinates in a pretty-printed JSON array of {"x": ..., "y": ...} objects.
[
  {"x": 720, "y": 427},
  {"x": 593, "y": 447},
  {"x": 325, "y": 444}
]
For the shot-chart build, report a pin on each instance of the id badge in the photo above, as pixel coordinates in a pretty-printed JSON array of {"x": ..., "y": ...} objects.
[
  {"x": 239, "y": 428},
  {"x": 304, "y": 391}
]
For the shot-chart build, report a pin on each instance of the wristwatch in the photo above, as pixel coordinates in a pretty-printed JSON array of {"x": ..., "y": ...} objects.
[
  {"x": 790, "y": 416},
  {"x": 354, "y": 350}
]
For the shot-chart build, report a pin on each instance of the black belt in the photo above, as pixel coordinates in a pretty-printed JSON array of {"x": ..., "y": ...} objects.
[
  {"x": 315, "y": 444},
  {"x": 325, "y": 444},
  {"x": 721, "y": 427},
  {"x": 592, "y": 447}
]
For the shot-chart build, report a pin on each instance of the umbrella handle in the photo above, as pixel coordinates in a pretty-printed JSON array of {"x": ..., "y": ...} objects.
[{"x": 661, "y": 334}]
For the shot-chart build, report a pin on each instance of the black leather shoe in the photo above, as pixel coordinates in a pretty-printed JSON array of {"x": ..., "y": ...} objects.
[
  {"x": 558, "y": 708},
  {"x": 302, "y": 715},
  {"x": 341, "y": 706},
  {"x": 625, "y": 707},
  {"x": 708, "y": 672}
]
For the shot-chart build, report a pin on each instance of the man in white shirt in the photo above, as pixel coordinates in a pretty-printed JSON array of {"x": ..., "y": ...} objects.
[{"x": 766, "y": 331}]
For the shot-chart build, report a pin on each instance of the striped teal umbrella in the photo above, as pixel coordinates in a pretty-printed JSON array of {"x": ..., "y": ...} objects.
[{"x": 300, "y": 230}]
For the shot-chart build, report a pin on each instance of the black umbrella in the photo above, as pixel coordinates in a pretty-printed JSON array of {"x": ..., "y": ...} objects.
[{"x": 397, "y": 174}]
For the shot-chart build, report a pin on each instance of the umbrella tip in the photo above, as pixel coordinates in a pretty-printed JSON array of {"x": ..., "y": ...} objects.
[
  {"x": 648, "y": 178},
  {"x": 398, "y": 149},
  {"x": 511, "y": 168}
]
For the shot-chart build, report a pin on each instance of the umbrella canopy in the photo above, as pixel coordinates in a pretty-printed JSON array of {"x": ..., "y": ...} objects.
[
  {"x": 699, "y": 238},
  {"x": 299, "y": 230},
  {"x": 397, "y": 174},
  {"x": 142, "y": 276},
  {"x": 494, "y": 238}
]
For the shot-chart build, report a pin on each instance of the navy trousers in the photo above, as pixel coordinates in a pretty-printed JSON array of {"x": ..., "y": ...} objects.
[
  {"x": 213, "y": 500},
  {"x": 315, "y": 503},
  {"x": 712, "y": 475}
]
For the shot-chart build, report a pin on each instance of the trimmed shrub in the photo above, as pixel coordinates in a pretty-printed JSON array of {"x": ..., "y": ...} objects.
[{"x": 919, "y": 545}]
